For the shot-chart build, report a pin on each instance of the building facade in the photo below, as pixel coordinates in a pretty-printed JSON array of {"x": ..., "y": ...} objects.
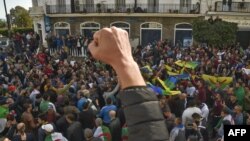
[
  {"x": 237, "y": 11},
  {"x": 145, "y": 20}
]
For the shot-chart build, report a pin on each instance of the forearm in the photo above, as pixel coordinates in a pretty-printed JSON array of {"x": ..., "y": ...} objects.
[
  {"x": 129, "y": 74},
  {"x": 115, "y": 90},
  {"x": 64, "y": 89}
]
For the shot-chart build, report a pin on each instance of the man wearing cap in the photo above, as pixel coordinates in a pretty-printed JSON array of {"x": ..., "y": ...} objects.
[{"x": 51, "y": 135}]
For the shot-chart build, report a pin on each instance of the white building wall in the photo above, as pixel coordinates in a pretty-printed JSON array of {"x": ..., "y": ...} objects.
[
  {"x": 129, "y": 1},
  {"x": 105, "y": 1}
]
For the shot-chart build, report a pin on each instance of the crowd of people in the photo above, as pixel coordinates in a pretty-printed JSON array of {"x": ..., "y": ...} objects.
[
  {"x": 75, "y": 45},
  {"x": 49, "y": 95}
]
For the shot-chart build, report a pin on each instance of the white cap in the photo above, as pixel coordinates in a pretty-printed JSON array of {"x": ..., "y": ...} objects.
[{"x": 48, "y": 127}]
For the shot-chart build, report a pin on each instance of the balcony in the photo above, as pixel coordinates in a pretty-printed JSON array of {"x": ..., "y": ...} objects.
[
  {"x": 242, "y": 7},
  {"x": 112, "y": 8}
]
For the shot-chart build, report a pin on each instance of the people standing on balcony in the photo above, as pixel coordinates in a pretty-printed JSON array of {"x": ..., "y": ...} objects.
[
  {"x": 197, "y": 8},
  {"x": 59, "y": 43},
  {"x": 229, "y": 3},
  {"x": 85, "y": 46},
  {"x": 68, "y": 43},
  {"x": 242, "y": 5},
  {"x": 79, "y": 46},
  {"x": 224, "y": 5}
]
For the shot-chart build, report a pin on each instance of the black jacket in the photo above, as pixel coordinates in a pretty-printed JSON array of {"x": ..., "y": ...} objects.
[
  {"x": 143, "y": 115},
  {"x": 115, "y": 129}
]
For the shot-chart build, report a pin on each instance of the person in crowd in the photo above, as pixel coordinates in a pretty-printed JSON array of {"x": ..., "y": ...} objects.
[
  {"x": 115, "y": 126},
  {"x": 236, "y": 113},
  {"x": 239, "y": 92},
  {"x": 104, "y": 113},
  {"x": 247, "y": 100},
  {"x": 28, "y": 119},
  {"x": 88, "y": 134},
  {"x": 178, "y": 132},
  {"x": 74, "y": 131},
  {"x": 87, "y": 117},
  {"x": 102, "y": 131},
  {"x": 226, "y": 119},
  {"x": 22, "y": 135},
  {"x": 45, "y": 103},
  {"x": 187, "y": 114},
  {"x": 51, "y": 135},
  {"x": 11, "y": 126}
]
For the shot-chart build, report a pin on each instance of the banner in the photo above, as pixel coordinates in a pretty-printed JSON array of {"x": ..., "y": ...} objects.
[{"x": 47, "y": 24}]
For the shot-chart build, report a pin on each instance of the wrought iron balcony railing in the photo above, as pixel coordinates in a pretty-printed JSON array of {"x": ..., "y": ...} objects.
[
  {"x": 243, "y": 7},
  {"x": 111, "y": 8}
]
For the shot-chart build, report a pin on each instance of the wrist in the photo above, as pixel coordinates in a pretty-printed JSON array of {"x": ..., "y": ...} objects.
[{"x": 129, "y": 74}]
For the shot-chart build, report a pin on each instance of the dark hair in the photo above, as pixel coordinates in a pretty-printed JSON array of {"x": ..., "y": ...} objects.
[
  {"x": 226, "y": 122},
  {"x": 109, "y": 101},
  {"x": 225, "y": 110},
  {"x": 196, "y": 116},
  {"x": 26, "y": 105},
  {"x": 71, "y": 116},
  {"x": 10, "y": 117},
  {"x": 86, "y": 105},
  {"x": 192, "y": 103},
  {"x": 46, "y": 96}
]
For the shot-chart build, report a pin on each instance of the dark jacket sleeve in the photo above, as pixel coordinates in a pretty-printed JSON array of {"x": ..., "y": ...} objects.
[{"x": 143, "y": 115}]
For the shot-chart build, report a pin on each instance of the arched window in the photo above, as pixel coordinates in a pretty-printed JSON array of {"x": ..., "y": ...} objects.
[
  {"x": 183, "y": 34},
  {"x": 62, "y": 28},
  {"x": 122, "y": 25},
  {"x": 89, "y": 28},
  {"x": 150, "y": 32}
]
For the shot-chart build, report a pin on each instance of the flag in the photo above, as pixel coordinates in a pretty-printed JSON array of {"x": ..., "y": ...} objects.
[
  {"x": 182, "y": 76},
  {"x": 105, "y": 134},
  {"x": 213, "y": 80},
  {"x": 168, "y": 68},
  {"x": 146, "y": 69},
  {"x": 172, "y": 73},
  {"x": 190, "y": 64},
  {"x": 171, "y": 82},
  {"x": 156, "y": 89},
  {"x": 167, "y": 90}
]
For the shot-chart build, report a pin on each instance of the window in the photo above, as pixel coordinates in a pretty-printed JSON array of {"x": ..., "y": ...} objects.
[
  {"x": 183, "y": 35},
  {"x": 122, "y": 25},
  {"x": 61, "y": 6},
  {"x": 89, "y": 7},
  {"x": 61, "y": 2},
  {"x": 185, "y": 6},
  {"x": 150, "y": 32},
  {"x": 153, "y": 6},
  {"x": 120, "y": 5},
  {"x": 89, "y": 28},
  {"x": 62, "y": 28}
]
